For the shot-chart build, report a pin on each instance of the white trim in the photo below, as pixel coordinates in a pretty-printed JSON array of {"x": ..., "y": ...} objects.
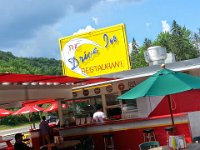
[{"x": 134, "y": 77}]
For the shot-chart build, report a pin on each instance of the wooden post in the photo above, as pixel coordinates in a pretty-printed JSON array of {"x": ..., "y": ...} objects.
[
  {"x": 60, "y": 113},
  {"x": 170, "y": 109},
  {"x": 104, "y": 105}
]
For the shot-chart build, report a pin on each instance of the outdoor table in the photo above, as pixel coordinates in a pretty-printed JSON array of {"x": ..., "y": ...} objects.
[
  {"x": 190, "y": 146},
  {"x": 63, "y": 145},
  {"x": 9, "y": 144},
  {"x": 67, "y": 144}
]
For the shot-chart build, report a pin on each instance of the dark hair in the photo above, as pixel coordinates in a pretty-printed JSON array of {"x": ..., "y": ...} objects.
[
  {"x": 98, "y": 107},
  {"x": 18, "y": 135},
  {"x": 43, "y": 118}
]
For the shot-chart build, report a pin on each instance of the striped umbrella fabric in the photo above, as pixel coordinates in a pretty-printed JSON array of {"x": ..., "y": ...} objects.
[
  {"x": 4, "y": 112},
  {"x": 28, "y": 109},
  {"x": 53, "y": 107}
]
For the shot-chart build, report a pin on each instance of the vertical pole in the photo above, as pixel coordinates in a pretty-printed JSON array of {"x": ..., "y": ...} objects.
[
  {"x": 170, "y": 109},
  {"x": 29, "y": 119},
  {"x": 60, "y": 112},
  {"x": 103, "y": 98},
  {"x": 26, "y": 93}
]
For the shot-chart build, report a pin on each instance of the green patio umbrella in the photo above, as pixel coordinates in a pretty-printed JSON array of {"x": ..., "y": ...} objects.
[{"x": 163, "y": 82}]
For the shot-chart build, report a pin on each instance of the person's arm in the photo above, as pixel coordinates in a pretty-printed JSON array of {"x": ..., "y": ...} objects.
[
  {"x": 105, "y": 117},
  {"x": 26, "y": 147},
  {"x": 94, "y": 118},
  {"x": 48, "y": 127}
]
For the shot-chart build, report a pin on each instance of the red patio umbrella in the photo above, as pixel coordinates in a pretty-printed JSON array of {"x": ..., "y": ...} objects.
[
  {"x": 4, "y": 112},
  {"x": 28, "y": 109},
  {"x": 77, "y": 101},
  {"x": 53, "y": 107}
]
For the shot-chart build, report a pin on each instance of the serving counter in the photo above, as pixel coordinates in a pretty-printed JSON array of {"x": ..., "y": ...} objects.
[{"x": 128, "y": 134}]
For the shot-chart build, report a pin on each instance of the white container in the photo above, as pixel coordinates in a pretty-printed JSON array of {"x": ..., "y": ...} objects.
[
  {"x": 155, "y": 55},
  {"x": 177, "y": 142}
]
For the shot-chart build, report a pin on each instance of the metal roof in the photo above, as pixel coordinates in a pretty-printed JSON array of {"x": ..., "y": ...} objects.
[
  {"x": 176, "y": 66},
  {"x": 186, "y": 65}
]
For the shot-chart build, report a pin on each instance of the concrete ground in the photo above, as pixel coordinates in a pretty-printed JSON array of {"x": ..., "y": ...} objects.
[{"x": 10, "y": 133}]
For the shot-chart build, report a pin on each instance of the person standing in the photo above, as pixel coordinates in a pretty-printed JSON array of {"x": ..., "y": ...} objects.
[
  {"x": 99, "y": 116},
  {"x": 44, "y": 131}
]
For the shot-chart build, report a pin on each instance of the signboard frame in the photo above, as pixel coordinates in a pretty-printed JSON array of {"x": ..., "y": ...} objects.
[{"x": 99, "y": 52}]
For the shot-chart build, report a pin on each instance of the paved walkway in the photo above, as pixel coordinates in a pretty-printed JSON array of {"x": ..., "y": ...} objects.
[
  {"x": 13, "y": 131},
  {"x": 10, "y": 133}
]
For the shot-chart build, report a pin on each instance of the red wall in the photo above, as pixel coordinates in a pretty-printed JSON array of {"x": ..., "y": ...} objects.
[
  {"x": 131, "y": 138},
  {"x": 182, "y": 102}
]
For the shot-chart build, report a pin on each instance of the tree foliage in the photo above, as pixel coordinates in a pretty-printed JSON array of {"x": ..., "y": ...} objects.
[
  {"x": 137, "y": 57},
  {"x": 12, "y": 64},
  {"x": 196, "y": 40},
  {"x": 180, "y": 41},
  {"x": 163, "y": 39}
]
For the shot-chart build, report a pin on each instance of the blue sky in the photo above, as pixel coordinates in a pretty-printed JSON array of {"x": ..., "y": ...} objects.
[{"x": 31, "y": 28}]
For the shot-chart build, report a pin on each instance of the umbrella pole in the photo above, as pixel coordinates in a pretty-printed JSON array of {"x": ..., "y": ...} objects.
[
  {"x": 170, "y": 109},
  {"x": 29, "y": 119}
]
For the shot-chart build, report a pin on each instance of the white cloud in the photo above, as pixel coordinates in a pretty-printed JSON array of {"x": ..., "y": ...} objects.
[
  {"x": 95, "y": 19},
  {"x": 28, "y": 27},
  {"x": 147, "y": 24},
  {"x": 88, "y": 28},
  {"x": 130, "y": 49},
  {"x": 40, "y": 45},
  {"x": 165, "y": 26}
]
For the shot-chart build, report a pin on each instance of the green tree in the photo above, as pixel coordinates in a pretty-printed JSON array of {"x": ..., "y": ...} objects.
[
  {"x": 13, "y": 64},
  {"x": 134, "y": 46},
  {"x": 137, "y": 59},
  {"x": 163, "y": 40},
  {"x": 178, "y": 41},
  {"x": 196, "y": 41},
  {"x": 181, "y": 44},
  {"x": 147, "y": 43}
]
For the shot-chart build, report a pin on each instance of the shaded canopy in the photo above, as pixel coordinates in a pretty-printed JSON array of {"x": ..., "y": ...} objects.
[
  {"x": 4, "y": 112},
  {"x": 53, "y": 107},
  {"x": 30, "y": 78},
  {"x": 37, "y": 102},
  {"x": 23, "y": 87},
  {"x": 164, "y": 82},
  {"x": 28, "y": 109}
]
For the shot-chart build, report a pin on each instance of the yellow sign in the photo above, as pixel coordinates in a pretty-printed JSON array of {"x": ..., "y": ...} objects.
[{"x": 95, "y": 53}]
